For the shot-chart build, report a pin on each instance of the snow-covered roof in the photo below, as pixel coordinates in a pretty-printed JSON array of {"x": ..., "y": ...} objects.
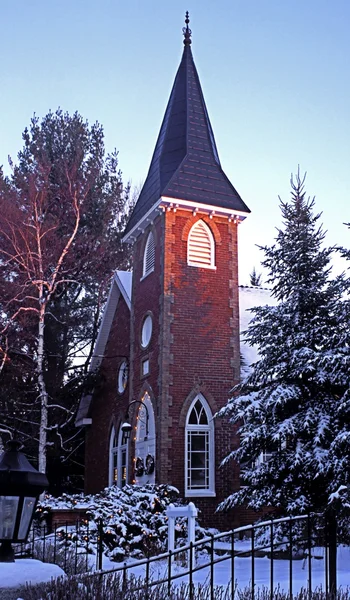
[
  {"x": 125, "y": 280},
  {"x": 248, "y": 298},
  {"x": 121, "y": 286}
]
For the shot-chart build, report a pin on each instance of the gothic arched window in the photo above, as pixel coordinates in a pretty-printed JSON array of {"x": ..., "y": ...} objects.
[
  {"x": 149, "y": 255},
  {"x": 118, "y": 458},
  {"x": 199, "y": 449},
  {"x": 201, "y": 246},
  {"x": 145, "y": 443}
]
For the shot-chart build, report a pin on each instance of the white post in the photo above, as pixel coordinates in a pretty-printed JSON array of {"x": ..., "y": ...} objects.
[
  {"x": 191, "y": 526},
  {"x": 171, "y": 528},
  {"x": 190, "y": 512}
]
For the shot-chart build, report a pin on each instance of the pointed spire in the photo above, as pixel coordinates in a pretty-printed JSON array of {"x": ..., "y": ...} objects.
[
  {"x": 185, "y": 163},
  {"x": 187, "y": 31}
]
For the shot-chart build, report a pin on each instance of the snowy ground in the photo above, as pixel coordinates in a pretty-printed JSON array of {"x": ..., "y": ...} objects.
[
  {"x": 12, "y": 575},
  {"x": 242, "y": 571},
  {"x": 26, "y": 570}
]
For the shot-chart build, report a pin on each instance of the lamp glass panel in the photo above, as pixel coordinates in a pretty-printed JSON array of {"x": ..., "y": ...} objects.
[
  {"x": 27, "y": 513},
  {"x": 8, "y": 513}
]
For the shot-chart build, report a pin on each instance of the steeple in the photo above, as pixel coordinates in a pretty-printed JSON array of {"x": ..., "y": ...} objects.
[{"x": 185, "y": 163}]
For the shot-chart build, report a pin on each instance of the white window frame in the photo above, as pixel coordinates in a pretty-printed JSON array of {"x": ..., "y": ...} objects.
[
  {"x": 209, "y": 429},
  {"x": 146, "y": 269},
  {"x": 123, "y": 375},
  {"x": 145, "y": 445},
  {"x": 118, "y": 450},
  {"x": 194, "y": 263}
]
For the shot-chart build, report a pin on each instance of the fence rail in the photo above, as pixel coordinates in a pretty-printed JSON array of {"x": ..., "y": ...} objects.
[{"x": 77, "y": 547}]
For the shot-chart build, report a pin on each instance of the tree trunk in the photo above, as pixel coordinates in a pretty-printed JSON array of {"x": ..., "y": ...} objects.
[
  {"x": 43, "y": 392},
  {"x": 331, "y": 523}
]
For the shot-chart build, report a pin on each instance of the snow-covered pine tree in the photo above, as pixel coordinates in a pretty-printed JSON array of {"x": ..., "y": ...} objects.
[
  {"x": 293, "y": 409},
  {"x": 255, "y": 278}
]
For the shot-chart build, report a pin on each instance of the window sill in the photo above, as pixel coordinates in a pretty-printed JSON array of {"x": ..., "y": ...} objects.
[
  {"x": 146, "y": 274},
  {"x": 209, "y": 267},
  {"x": 200, "y": 494}
]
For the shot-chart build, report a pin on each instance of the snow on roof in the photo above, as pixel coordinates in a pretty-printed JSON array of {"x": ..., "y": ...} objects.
[
  {"x": 121, "y": 286},
  {"x": 125, "y": 281},
  {"x": 248, "y": 298}
]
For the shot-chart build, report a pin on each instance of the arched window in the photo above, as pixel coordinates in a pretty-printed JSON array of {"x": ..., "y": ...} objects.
[
  {"x": 149, "y": 255},
  {"x": 118, "y": 458},
  {"x": 145, "y": 443},
  {"x": 201, "y": 246},
  {"x": 199, "y": 449}
]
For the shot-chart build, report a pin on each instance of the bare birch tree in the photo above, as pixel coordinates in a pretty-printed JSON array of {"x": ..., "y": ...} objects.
[{"x": 58, "y": 232}]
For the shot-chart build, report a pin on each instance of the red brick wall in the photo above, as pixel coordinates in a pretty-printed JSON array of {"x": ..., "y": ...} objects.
[
  {"x": 200, "y": 348},
  {"x": 108, "y": 406}
]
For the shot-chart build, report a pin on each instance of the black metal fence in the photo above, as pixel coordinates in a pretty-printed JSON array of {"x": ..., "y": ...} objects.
[
  {"x": 75, "y": 547},
  {"x": 284, "y": 539},
  {"x": 79, "y": 548}
]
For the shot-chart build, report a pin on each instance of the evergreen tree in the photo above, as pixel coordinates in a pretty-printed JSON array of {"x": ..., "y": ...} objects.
[
  {"x": 293, "y": 409},
  {"x": 255, "y": 278}
]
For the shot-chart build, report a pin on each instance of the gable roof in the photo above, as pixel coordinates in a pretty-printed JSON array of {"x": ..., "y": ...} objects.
[
  {"x": 185, "y": 163},
  {"x": 121, "y": 286}
]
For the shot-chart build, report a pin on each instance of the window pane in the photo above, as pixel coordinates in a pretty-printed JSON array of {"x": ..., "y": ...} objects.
[
  {"x": 198, "y": 415},
  {"x": 146, "y": 332},
  {"x": 198, "y": 478},
  {"x": 27, "y": 511},
  {"x": 198, "y": 460},
  {"x": 198, "y": 440},
  {"x": 8, "y": 511}
]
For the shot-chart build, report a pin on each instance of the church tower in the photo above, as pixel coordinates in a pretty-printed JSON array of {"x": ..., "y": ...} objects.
[{"x": 184, "y": 315}]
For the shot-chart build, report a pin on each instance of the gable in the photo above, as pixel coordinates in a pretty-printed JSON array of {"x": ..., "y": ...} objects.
[{"x": 120, "y": 290}]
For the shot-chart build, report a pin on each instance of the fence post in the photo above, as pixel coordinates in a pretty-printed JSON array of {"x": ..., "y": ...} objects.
[
  {"x": 99, "y": 544},
  {"x": 332, "y": 552}
]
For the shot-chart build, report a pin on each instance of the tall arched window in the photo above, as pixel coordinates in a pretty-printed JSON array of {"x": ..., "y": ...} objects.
[
  {"x": 199, "y": 449},
  {"x": 145, "y": 443},
  {"x": 149, "y": 255},
  {"x": 118, "y": 458},
  {"x": 201, "y": 246}
]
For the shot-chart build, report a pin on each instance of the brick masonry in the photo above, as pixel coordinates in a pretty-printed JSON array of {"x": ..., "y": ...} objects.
[{"x": 108, "y": 406}]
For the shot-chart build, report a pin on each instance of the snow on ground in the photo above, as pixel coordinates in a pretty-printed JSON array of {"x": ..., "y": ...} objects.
[
  {"x": 23, "y": 570},
  {"x": 243, "y": 574},
  {"x": 26, "y": 570}
]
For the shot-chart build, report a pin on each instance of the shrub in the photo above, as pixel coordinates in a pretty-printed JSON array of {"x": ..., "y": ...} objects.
[{"x": 134, "y": 521}]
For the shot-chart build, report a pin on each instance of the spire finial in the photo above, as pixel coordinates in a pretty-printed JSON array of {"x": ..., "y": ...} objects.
[{"x": 187, "y": 31}]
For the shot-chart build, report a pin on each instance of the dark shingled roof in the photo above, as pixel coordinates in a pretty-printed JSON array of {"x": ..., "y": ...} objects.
[{"x": 185, "y": 162}]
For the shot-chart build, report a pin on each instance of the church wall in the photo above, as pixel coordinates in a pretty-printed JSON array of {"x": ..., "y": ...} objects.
[
  {"x": 201, "y": 328},
  {"x": 146, "y": 294},
  {"x": 108, "y": 406}
]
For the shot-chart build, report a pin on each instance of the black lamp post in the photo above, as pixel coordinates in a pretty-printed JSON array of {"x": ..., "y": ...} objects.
[
  {"x": 126, "y": 426},
  {"x": 20, "y": 487}
]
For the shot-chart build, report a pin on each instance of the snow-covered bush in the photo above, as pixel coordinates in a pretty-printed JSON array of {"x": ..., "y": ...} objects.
[{"x": 134, "y": 521}]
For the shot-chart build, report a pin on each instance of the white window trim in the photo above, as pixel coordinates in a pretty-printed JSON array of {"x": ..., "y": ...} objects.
[
  {"x": 145, "y": 445},
  {"x": 210, "y": 491},
  {"x": 212, "y": 248},
  {"x": 118, "y": 451},
  {"x": 145, "y": 272},
  {"x": 123, "y": 371}
]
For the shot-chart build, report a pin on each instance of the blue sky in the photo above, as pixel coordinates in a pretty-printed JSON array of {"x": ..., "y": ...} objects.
[{"x": 275, "y": 77}]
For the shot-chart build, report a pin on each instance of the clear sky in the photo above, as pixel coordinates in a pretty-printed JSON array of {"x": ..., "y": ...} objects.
[{"x": 275, "y": 77}]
